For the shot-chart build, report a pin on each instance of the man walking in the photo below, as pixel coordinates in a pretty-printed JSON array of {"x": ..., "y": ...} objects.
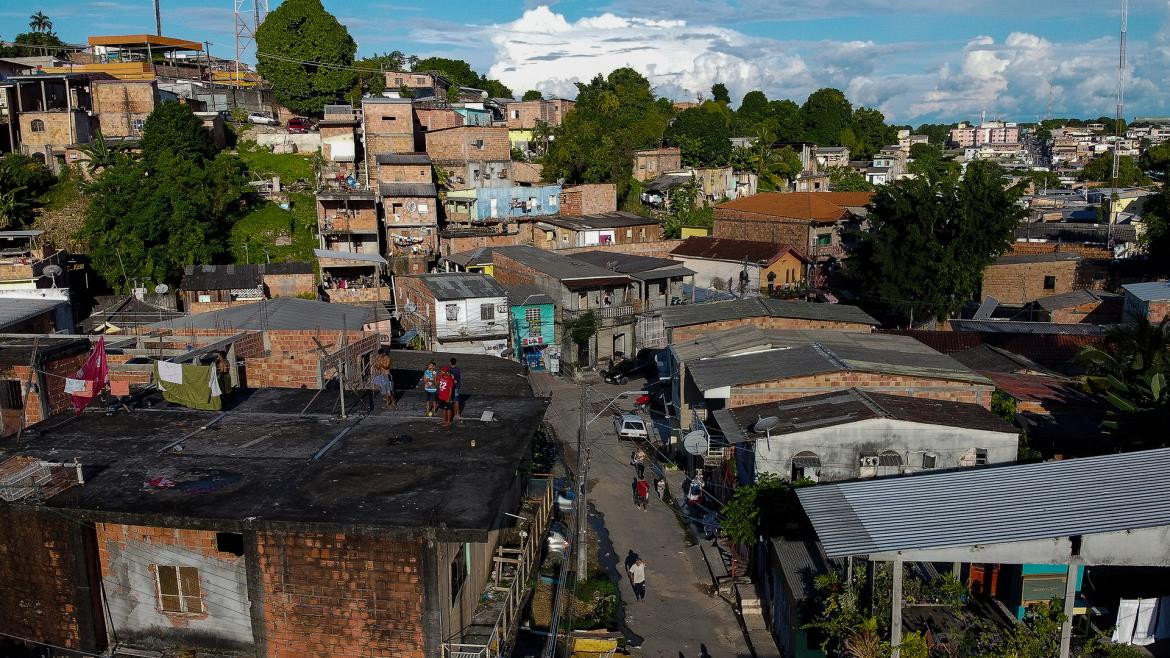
[
  {"x": 643, "y": 489},
  {"x": 637, "y": 573},
  {"x": 638, "y": 461},
  {"x": 446, "y": 386}
]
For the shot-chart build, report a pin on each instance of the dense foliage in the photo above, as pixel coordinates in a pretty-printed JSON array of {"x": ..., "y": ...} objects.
[
  {"x": 703, "y": 135},
  {"x": 930, "y": 240},
  {"x": 173, "y": 206},
  {"x": 1100, "y": 169},
  {"x": 1129, "y": 370},
  {"x": 461, "y": 74},
  {"x": 757, "y": 510},
  {"x": 532, "y": 95},
  {"x": 307, "y": 56},
  {"x": 23, "y": 185}
]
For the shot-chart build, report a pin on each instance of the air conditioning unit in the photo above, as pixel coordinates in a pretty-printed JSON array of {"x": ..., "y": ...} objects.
[
  {"x": 929, "y": 460},
  {"x": 869, "y": 460}
]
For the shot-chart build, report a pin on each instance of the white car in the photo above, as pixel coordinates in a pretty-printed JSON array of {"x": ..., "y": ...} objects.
[
  {"x": 262, "y": 119},
  {"x": 629, "y": 426}
]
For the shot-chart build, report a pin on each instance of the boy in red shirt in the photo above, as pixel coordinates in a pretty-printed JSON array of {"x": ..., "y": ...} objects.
[
  {"x": 446, "y": 390},
  {"x": 643, "y": 489}
]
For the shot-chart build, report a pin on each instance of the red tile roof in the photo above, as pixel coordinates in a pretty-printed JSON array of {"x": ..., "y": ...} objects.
[
  {"x": 734, "y": 250},
  {"x": 809, "y": 206}
]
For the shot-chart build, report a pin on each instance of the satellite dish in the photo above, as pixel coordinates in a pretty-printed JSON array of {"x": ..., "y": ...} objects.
[
  {"x": 766, "y": 424},
  {"x": 411, "y": 206},
  {"x": 52, "y": 270},
  {"x": 696, "y": 442},
  {"x": 410, "y": 307},
  {"x": 162, "y": 288}
]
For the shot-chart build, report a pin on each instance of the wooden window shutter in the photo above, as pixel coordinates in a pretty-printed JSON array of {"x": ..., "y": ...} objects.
[
  {"x": 189, "y": 581},
  {"x": 168, "y": 589}
]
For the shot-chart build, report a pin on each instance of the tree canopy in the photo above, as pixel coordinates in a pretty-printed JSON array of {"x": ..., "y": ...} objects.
[
  {"x": 703, "y": 135},
  {"x": 307, "y": 56},
  {"x": 614, "y": 116},
  {"x": 720, "y": 94},
  {"x": 461, "y": 74},
  {"x": 23, "y": 184},
  {"x": 848, "y": 179},
  {"x": 1157, "y": 158},
  {"x": 148, "y": 217},
  {"x": 938, "y": 133},
  {"x": 929, "y": 162},
  {"x": 532, "y": 95},
  {"x": 930, "y": 240},
  {"x": 1129, "y": 370},
  {"x": 1100, "y": 169},
  {"x": 174, "y": 127},
  {"x": 827, "y": 113}
]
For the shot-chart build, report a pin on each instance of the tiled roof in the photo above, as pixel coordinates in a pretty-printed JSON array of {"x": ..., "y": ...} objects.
[
  {"x": 738, "y": 251},
  {"x": 809, "y": 206}
]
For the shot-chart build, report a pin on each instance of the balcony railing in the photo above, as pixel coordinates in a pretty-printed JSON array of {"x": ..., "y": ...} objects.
[{"x": 613, "y": 313}]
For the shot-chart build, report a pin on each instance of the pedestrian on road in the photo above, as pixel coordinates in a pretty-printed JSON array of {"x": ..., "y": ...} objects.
[
  {"x": 384, "y": 380},
  {"x": 456, "y": 395},
  {"x": 643, "y": 489},
  {"x": 431, "y": 387},
  {"x": 661, "y": 487},
  {"x": 638, "y": 461},
  {"x": 638, "y": 579},
  {"x": 446, "y": 387}
]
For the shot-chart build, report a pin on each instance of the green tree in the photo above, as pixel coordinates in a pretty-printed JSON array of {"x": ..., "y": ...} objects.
[
  {"x": 461, "y": 74},
  {"x": 24, "y": 182},
  {"x": 532, "y": 95},
  {"x": 871, "y": 133},
  {"x": 39, "y": 22},
  {"x": 307, "y": 56},
  {"x": 757, "y": 510},
  {"x": 28, "y": 44},
  {"x": 786, "y": 120},
  {"x": 929, "y": 162},
  {"x": 1155, "y": 239},
  {"x": 495, "y": 88},
  {"x": 930, "y": 240},
  {"x": 371, "y": 79},
  {"x": 754, "y": 107},
  {"x": 847, "y": 179},
  {"x": 173, "y": 127},
  {"x": 720, "y": 94},
  {"x": 614, "y": 116},
  {"x": 703, "y": 134},
  {"x": 100, "y": 153},
  {"x": 687, "y": 211},
  {"x": 826, "y": 113},
  {"x": 1129, "y": 370},
  {"x": 1100, "y": 169},
  {"x": 1157, "y": 158},
  {"x": 938, "y": 133}
]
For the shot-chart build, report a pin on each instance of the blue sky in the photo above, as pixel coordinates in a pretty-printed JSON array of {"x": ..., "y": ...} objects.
[{"x": 917, "y": 60}]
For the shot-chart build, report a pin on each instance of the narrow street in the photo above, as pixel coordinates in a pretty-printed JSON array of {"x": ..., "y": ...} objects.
[{"x": 680, "y": 617}]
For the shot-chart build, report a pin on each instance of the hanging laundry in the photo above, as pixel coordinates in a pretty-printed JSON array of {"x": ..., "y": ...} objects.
[
  {"x": 95, "y": 373},
  {"x": 196, "y": 388},
  {"x": 120, "y": 387},
  {"x": 74, "y": 385},
  {"x": 214, "y": 385},
  {"x": 170, "y": 372}
]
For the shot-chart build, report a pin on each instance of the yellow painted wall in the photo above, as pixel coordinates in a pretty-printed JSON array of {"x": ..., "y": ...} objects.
[
  {"x": 695, "y": 232},
  {"x": 788, "y": 269}
]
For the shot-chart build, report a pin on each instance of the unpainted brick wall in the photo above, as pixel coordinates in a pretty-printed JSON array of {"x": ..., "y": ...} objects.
[
  {"x": 458, "y": 144},
  {"x": 51, "y": 385},
  {"x": 915, "y": 387},
  {"x": 404, "y": 173},
  {"x": 1085, "y": 250},
  {"x": 327, "y": 594},
  {"x": 437, "y": 119},
  {"x": 689, "y": 332},
  {"x": 454, "y": 245},
  {"x": 654, "y": 248},
  {"x": 589, "y": 199},
  {"x": 1020, "y": 283},
  {"x": 739, "y": 225},
  {"x": 40, "y": 557}
]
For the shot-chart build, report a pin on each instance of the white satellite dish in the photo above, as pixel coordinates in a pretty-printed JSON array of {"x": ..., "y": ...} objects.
[
  {"x": 766, "y": 425},
  {"x": 411, "y": 206},
  {"x": 162, "y": 288},
  {"x": 696, "y": 442},
  {"x": 52, "y": 270}
]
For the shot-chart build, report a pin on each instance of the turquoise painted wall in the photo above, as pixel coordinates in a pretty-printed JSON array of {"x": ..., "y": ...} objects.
[{"x": 521, "y": 329}]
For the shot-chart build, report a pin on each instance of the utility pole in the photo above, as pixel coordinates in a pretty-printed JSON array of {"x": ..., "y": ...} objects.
[
  {"x": 582, "y": 506},
  {"x": 157, "y": 19},
  {"x": 1120, "y": 107}
]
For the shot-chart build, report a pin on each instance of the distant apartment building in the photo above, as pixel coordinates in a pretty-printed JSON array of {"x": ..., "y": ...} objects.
[
  {"x": 988, "y": 132},
  {"x": 418, "y": 84},
  {"x": 651, "y": 163},
  {"x": 473, "y": 156},
  {"x": 524, "y": 115},
  {"x": 388, "y": 127}
]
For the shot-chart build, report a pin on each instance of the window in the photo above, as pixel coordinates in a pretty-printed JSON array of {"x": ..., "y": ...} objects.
[
  {"x": 10, "y": 397},
  {"x": 487, "y": 311},
  {"x": 552, "y": 199},
  {"x": 178, "y": 589},
  {"x": 980, "y": 456},
  {"x": 137, "y": 124},
  {"x": 452, "y": 312},
  {"x": 423, "y": 208},
  {"x": 515, "y": 114},
  {"x": 389, "y": 118},
  {"x": 478, "y": 144},
  {"x": 824, "y": 239},
  {"x": 229, "y": 542},
  {"x": 629, "y": 233},
  {"x": 929, "y": 460},
  {"x": 37, "y": 126},
  {"x": 806, "y": 466},
  {"x": 458, "y": 572},
  {"x": 1050, "y": 283},
  {"x": 204, "y": 299}
]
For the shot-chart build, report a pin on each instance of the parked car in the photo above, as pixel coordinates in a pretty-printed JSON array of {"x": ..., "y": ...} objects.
[
  {"x": 262, "y": 119},
  {"x": 559, "y": 538},
  {"x": 629, "y": 426},
  {"x": 621, "y": 369},
  {"x": 300, "y": 125}
]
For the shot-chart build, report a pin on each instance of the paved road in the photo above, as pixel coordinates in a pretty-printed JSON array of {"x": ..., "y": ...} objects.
[{"x": 679, "y": 618}]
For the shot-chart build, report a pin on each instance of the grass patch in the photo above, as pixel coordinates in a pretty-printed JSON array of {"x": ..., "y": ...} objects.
[
  {"x": 271, "y": 232},
  {"x": 289, "y": 166}
]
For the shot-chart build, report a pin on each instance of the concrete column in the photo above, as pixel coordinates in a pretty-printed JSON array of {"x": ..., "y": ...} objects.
[
  {"x": 69, "y": 114},
  {"x": 896, "y": 610},
  {"x": 44, "y": 98},
  {"x": 1070, "y": 593}
]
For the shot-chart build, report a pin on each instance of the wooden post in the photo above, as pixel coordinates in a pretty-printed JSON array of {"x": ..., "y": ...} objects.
[
  {"x": 1070, "y": 594},
  {"x": 896, "y": 610}
]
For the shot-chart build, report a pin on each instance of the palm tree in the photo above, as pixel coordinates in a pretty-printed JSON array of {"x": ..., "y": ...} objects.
[
  {"x": 1129, "y": 371},
  {"x": 39, "y": 22},
  {"x": 11, "y": 206},
  {"x": 101, "y": 155}
]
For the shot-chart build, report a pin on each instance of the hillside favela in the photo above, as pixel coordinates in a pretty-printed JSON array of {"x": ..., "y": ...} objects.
[{"x": 583, "y": 329}]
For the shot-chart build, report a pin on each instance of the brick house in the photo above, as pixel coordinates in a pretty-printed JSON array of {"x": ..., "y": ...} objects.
[
  {"x": 474, "y": 156},
  {"x": 338, "y": 129},
  {"x": 212, "y": 287},
  {"x": 717, "y": 261},
  {"x": 1017, "y": 279},
  {"x": 523, "y": 115},
  {"x": 455, "y": 311},
  {"x": 614, "y": 228},
  {"x": 801, "y": 363},
  {"x": 250, "y": 545},
  {"x": 812, "y": 222},
  {"x": 421, "y": 84},
  {"x": 589, "y": 199},
  {"x": 388, "y": 126},
  {"x": 347, "y": 220},
  {"x": 689, "y": 322},
  {"x": 436, "y": 118},
  {"x": 578, "y": 289},
  {"x": 1149, "y": 300},
  {"x": 121, "y": 106},
  {"x": 657, "y": 282},
  {"x": 411, "y": 216},
  {"x": 24, "y": 255},
  {"x": 651, "y": 163},
  {"x": 49, "y": 113},
  {"x": 30, "y": 397},
  {"x": 1078, "y": 305}
]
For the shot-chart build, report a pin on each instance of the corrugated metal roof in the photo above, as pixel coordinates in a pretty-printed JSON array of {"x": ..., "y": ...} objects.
[
  {"x": 406, "y": 189},
  {"x": 1014, "y": 327},
  {"x": 625, "y": 263},
  {"x": 349, "y": 255},
  {"x": 663, "y": 273},
  {"x": 1149, "y": 291},
  {"x": 403, "y": 158},
  {"x": 461, "y": 285},
  {"x": 801, "y": 561},
  {"x": 602, "y": 220},
  {"x": 756, "y": 307},
  {"x": 719, "y": 343},
  {"x": 522, "y": 295},
  {"x": 556, "y": 265},
  {"x": 14, "y": 310},
  {"x": 287, "y": 313},
  {"x": 1110, "y": 493},
  {"x": 1022, "y": 259}
]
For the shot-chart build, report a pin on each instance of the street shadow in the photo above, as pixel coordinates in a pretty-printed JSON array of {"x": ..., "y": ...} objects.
[
  {"x": 608, "y": 559},
  {"x": 631, "y": 558}
]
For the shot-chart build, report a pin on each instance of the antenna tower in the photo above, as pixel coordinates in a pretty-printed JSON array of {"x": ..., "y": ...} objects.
[
  {"x": 1120, "y": 101},
  {"x": 246, "y": 23}
]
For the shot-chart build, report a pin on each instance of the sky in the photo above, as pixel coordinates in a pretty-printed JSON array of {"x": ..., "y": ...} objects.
[{"x": 915, "y": 60}]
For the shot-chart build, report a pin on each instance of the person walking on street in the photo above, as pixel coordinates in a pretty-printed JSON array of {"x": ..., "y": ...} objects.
[
  {"x": 637, "y": 573},
  {"x": 661, "y": 487},
  {"x": 446, "y": 387},
  {"x": 431, "y": 387},
  {"x": 455, "y": 395},
  {"x": 384, "y": 380},
  {"x": 643, "y": 489},
  {"x": 638, "y": 461}
]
